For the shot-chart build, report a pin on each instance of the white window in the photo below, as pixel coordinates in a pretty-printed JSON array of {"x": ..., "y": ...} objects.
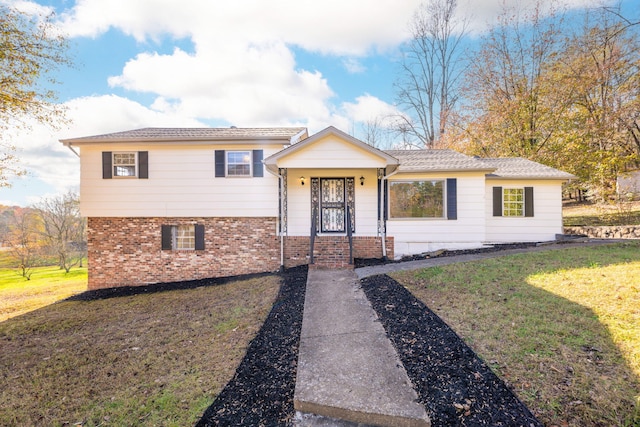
[
  {"x": 238, "y": 163},
  {"x": 513, "y": 202},
  {"x": 183, "y": 237},
  {"x": 124, "y": 164},
  {"x": 416, "y": 199}
]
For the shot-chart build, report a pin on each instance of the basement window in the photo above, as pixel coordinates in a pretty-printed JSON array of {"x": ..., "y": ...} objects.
[{"x": 183, "y": 237}]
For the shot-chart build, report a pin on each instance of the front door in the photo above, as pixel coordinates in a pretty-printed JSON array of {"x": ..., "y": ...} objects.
[
  {"x": 332, "y": 205},
  {"x": 330, "y": 198}
]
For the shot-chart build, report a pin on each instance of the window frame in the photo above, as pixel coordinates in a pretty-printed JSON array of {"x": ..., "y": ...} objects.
[
  {"x": 245, "y": 153},
  {"x": 114, "y": 165},
  {"x": 508, "y": 210},
  {"x": 444, "y": 208},
  {"x": 177, "y": 241}
]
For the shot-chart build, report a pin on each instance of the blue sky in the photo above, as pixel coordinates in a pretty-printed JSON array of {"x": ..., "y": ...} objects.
[{"x": 247, "y": 63}]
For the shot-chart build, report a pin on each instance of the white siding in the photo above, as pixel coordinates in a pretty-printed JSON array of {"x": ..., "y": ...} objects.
[
  {"x": 333, "y": 152},
  {"x": 543, "y": 226},
  {"x": 414, "y": 236},
  {"x": 181, "y": 183},
  {"x": 299, "y": 199}
]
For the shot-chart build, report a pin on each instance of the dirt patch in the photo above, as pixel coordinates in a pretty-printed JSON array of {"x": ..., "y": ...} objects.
[{"x": 455, "y": 385}]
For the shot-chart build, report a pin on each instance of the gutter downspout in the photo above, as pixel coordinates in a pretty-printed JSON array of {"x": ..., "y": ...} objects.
[
  {"x": 278, "y": 223},
  {"x": 383, "y": 232},
  {"x": 72, "y": 150}
]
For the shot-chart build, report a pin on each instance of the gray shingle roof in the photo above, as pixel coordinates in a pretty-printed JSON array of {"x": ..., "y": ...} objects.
[
  {"x": 437, "y": 161},
  {"x": 519, "y": 168},
  {"x": 192, "y": 134}
]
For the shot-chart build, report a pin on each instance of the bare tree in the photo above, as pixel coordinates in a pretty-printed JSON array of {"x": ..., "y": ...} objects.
[
  {"x": 24, "y": 240},
  {"x": 63, "y": 228},
  {"x": 428, "y": 86}
]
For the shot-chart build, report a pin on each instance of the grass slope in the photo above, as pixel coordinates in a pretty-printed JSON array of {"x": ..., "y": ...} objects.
[
  {"x": 47, "y": 285},
  {"x": 156, "y": 359},
  {"x": 561, "y": 327}
]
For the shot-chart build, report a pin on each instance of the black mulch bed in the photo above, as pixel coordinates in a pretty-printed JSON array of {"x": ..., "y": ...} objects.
[
  {"x": 261, "y": 392},
  {"x": 366, "y": 262},
  {"x": 124, "y": 291},
  {"x": 455, "y": 385}
]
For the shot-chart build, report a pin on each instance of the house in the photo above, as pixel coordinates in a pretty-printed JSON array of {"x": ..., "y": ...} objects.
[{"x": 180, "y": 204}]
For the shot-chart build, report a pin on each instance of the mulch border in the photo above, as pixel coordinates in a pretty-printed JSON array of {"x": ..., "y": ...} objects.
[
  {"x": 262, "y": 389},
  {"x": 455, "y": 385}
]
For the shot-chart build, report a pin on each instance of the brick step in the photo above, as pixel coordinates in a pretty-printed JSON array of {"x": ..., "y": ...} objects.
[{"x": 331, "y": 252}]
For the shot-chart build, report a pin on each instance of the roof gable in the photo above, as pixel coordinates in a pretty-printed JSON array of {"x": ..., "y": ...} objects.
[{"x": 330, "y": 148}]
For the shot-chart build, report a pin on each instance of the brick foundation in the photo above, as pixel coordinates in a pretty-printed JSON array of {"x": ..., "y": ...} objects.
[
  {"x": 128, "y": 251},
  {"x": 333, "y": 251}
]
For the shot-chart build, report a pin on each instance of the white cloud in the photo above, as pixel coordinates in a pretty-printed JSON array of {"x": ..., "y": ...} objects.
[
  {"x": 353, "y": 66},
  {"x": 240, "y": 84},
  {"x": 369, "y": 108},
  {"x": 481, "y": 14},
  {"x": 331, "y": 26},
  {"x": 47, "y": 160}
]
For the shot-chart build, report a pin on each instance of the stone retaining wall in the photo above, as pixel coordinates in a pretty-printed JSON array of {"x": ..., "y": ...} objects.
[{"x": 610, "y": 232}]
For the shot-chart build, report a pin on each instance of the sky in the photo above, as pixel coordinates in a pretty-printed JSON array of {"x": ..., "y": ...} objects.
[{"x": 220, "y": 63}]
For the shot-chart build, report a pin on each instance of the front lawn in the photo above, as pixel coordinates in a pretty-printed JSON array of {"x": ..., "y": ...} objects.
[
  {"x": 561, "y": 327},
  {"x": 47, "y": 285},
  {"x": 153, "y": 359}
]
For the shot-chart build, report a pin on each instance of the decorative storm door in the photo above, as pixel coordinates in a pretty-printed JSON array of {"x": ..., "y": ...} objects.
[
  {"x": 332, "y": 205},
  {"x": 329, "y": 200}
]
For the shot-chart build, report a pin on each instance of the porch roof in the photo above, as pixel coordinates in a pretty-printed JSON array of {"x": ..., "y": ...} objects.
[{"x": 354, "y": 154}]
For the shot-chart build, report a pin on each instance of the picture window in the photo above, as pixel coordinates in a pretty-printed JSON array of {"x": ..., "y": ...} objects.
[{"x": 417, "y": 199}]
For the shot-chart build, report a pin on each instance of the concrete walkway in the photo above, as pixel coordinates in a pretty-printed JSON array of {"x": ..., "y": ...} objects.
[
  {"x": 348, "y": 371},
  {"x": 349, "y": 374}
]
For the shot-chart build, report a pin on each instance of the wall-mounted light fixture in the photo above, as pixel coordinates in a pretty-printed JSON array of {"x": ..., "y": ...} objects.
[
  {"x": 302, "y": 180},
  {"x": 361, "y": 180}
]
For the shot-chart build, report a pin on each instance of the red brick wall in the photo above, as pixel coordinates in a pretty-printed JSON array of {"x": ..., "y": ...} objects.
[
  {"x": 331, "y": 251},
  {"x": 128, "y": 251}
]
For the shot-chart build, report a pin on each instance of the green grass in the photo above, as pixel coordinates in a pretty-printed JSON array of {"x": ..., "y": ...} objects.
[
  {"x": 47, "y": 285},
  {"x": 587, "y": 214},
  {"x": 155, "y": 359},
  {"x": 561, "y": 327}
]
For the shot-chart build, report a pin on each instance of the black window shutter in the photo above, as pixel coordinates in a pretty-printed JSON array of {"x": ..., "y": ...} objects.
[
  {"x": 220, "y": 163},
  {"x": 452, "y": 198},
  {"x": 528, "y": 201},
  {"x": 386, "y": 200},
  {"x": 258, "y": 167},
  {"x": 166, "y": 238},
  {"x": 199, "y": 237},
  {"x": 497, "y": 201},
  {"x": 107, "y": 170},
  {"x": 143, "y": 164}
]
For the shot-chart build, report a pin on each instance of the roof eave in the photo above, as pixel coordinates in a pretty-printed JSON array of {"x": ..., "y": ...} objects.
[
  {"x": 440, "y": 170},
  {"x": 169, "y": 140},
  {"x": 530, "y": 177}
]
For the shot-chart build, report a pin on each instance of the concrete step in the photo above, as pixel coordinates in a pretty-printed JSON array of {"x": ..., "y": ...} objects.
[{"x": 348, "y": 369}]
